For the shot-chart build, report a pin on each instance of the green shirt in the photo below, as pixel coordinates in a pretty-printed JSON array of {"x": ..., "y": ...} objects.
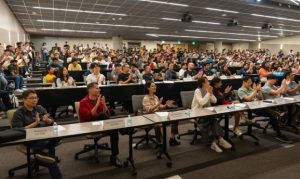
[
  {"x": 243, "y": 92},
  {"x": 12, "y": 69}
]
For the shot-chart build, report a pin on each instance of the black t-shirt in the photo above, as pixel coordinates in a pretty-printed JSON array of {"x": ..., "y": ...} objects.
[
  {"x": 189, "y": 73},
  {"x": 148, "y": 77},
  {"x": 123, "y": 77}
]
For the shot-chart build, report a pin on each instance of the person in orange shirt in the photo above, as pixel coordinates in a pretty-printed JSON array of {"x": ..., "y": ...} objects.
[{"x": 264, "y": 71}]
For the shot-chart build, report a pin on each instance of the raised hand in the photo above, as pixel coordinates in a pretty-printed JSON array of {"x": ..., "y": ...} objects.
[
  {"x": 228, "y": 89},
  {"x": 209, "y": 89},
  {"x": 161, "y": 100},
  {"x": 37, "y": 118},
  {"x": 169, "y": 102}
]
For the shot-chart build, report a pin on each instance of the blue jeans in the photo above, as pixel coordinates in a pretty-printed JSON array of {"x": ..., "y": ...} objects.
[
  {"x": 50, "y": 146},
  {"x": 18, "y": 81}
]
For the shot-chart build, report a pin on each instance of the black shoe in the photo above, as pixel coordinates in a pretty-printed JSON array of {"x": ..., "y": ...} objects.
[
  {"x": 282, "y": 138},
  {"x": 116, "y": 161},
  {"x": 173, "y": 142}
]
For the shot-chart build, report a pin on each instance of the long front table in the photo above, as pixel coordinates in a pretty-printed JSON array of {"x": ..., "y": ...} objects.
[{"x": 71, "y": 130}]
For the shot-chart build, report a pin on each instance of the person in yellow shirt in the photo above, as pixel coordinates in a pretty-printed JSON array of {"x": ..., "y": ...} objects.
[
  {"x": 50, "y": 77},
  {"x": 74, "y": 66}
]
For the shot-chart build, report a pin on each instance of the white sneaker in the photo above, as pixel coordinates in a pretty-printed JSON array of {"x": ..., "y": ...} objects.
[
  {"x": 19, "y": 91},
  {"x": 238, "y": 131},
  {"x": 223, "y": 143},
  {"x": 214, "y": 146}
]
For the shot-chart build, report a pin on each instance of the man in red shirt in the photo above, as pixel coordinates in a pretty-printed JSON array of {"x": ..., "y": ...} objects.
[{"x": 93, "y": 108}]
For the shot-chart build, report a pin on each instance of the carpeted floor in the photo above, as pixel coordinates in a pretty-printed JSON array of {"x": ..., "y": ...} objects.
[{"x": 268, "y": 160}]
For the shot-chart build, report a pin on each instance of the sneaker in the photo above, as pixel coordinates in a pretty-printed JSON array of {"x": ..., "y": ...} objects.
[
  {"x": 237, "y": 131},
  {"x": 282, "y": 138},
  {"x": 224, "y": 143},
  {"x": 45, "y": 158},
  {"x": 19, "y": 91},
  {"x": 214, "y": 146}
]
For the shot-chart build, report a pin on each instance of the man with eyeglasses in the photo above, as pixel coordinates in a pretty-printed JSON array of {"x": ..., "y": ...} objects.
[{"x": 31, "y": 115}]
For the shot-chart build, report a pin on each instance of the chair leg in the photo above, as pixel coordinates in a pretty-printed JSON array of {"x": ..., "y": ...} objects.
[
  {"x": 85, "y": 150},
  {"x": 96, "y": 151}
]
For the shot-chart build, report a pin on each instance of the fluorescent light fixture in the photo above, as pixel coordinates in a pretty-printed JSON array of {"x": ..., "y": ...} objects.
[
  {"x": 170, "y": 19},
  {"x": 197, "y": 37},
  {"x": 229, "y": 33},
  {"x": 275, "y": 17},
  {"x": 252, "y": 27},
  {"x": 295, "y": 2},
  {"x": 203, "y": 22},
  {"x": 77, "y": 10},
  {"x": 87, "y": 23},
  {"x": 276, "y": 29},
  {"x": 69, "y": 30},
  {"x": 200, "y": 22},
  {"x": 221, "y": 10},
  {"x": 167, "y": 3}
]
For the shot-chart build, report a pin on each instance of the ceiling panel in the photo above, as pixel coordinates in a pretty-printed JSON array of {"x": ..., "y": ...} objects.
[{"x": 88, "y": 15}]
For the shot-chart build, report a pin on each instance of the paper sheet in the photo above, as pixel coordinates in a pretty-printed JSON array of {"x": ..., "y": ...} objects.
[{"x": 162, "y": 114}]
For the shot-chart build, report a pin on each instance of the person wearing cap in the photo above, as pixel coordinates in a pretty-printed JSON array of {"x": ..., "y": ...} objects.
[
  {"x": 74, "y": 65},
  {"x": 13, "y": 74},
  {"x": 95, "y": 76}
]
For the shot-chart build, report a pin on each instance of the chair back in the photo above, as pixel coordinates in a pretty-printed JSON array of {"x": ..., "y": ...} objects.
[
  {"x": 137, "y": 103},
  {"x": 187, "y": 98},
  {"x": 77, "y": 109},
  {"x": 10, "y": 114}
]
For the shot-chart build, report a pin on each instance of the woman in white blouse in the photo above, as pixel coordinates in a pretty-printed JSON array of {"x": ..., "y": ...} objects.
[
  {"x": 203, "y": 97},
  {"x": 64, "y": 79}
]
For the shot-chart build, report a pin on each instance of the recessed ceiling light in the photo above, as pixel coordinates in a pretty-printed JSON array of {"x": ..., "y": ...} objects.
[
  {"x": 224, "y": 15},
  {"x": 87, "y": 23},
  {"x": 197, "y": 37},
  {"x": 77, "y": 10},
  {"x": 229, "y": 33},
  {"x": 167, "y": 3},
  {"x": 69, "y": 30},
  {"x": 221, "y": 10}
]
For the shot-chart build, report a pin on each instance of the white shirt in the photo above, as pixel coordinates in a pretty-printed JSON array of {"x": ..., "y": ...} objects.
[
  {"x": 181, "y": 73},
  {"x": 200, "y": 101},
  {"x": 100, "y": 79}
]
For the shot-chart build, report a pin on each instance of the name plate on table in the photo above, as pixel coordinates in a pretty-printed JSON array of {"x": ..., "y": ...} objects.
[
  {"x": 38, "y": 133},
  {"x": 114, "y": 124}
]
